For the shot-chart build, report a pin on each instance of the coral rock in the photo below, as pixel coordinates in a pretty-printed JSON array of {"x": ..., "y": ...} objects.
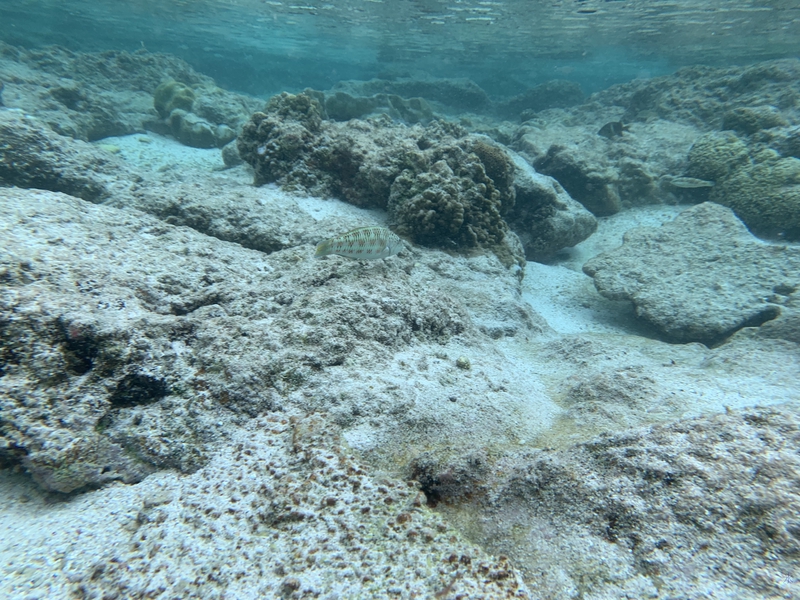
[
  {"x": 699, "y": 278},
  {"x": 171, "y": 95}
]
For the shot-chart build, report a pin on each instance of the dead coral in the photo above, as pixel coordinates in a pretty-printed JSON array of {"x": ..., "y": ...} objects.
[
  {"x": 441, "y": 186},
  {"x": 442, "y": 207},
  {"x": 498, "y": 167}
]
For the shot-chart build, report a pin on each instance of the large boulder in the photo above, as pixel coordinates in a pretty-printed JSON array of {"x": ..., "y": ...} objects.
[
  {"x": 699, "y": 278},
  {"x": 593, "y": 184},
  {"x": 545, "y": 217}
]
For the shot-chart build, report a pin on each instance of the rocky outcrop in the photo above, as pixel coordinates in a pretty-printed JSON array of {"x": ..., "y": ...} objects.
[
  {"x": 699, "y": 278},
  {"x": 90, "y": 96},
  {"x": 341, "y": 106},
  {"x": 761, "y": 186},
  {"x": 450, "y": 94},
  {"x": 33, "y": 156},
  {"x": 544, "y": 216},
  {"x": 593, "y": 186},
  {"x": 442, "y": 187},
  {"x": 741, "y": 98},
  {"x": 287, "y": 478},
  {"x": 556, "y": 93},
  {"x": 436, "y": 190},
  {"x": 731, "y": 124},
  {"x": 120, "y": 331},
  {"x": 607, "y": 175}
]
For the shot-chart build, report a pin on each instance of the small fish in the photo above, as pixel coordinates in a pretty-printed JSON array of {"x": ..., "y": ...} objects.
[
  {"x": 364, "y": 243},
  {"x": 615, "y": 128},
  {"x": 689, "y": 183}
]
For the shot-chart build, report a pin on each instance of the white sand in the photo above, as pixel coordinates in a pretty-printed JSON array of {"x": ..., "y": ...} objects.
[{"x": 157, "y": 153}]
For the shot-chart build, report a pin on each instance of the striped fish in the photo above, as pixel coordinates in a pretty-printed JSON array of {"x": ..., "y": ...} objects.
[
  {"x": 364, "y": 243},
  {"x": 689, "y": 182}
]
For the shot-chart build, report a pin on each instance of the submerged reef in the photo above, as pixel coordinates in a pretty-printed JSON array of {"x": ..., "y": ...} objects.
[
  {"x": 556, "y": 93},
  {"x": 715, "y": 155},
  {"x": 33, "y": 156},
  {"x": 435, "y": 191},
  {"x": 290, "y": 423},
  {"x": 709, "y": 97},
  {"x": 452, "y": 201},
  {"x": 765, "y": 195},
  {"x": 90, "y": 96},
  {"x": 667, "y": 511},
  {"x": 708, "y": 123},
  {"x": 606, "y": 175},
  {"x": 341, "y": 106},
  {"x": 442, "y": 186},
  {"x": 288, "y": 511},
  {"x": 452, "y": 95},
  {"x": 111, "y": 360}
]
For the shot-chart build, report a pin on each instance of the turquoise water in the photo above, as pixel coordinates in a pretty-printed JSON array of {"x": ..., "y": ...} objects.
[{"x": 259, "y": 46}]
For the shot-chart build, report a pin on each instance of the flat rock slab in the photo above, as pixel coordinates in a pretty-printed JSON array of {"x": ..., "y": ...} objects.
[{"x": 701, "y": 277}]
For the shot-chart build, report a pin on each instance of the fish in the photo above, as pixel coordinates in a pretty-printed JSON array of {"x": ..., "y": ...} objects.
[
  {"x": 689, "y": 183},
  {"x": 612, "y": 129},
  {"x": 364, "y": 243}
]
